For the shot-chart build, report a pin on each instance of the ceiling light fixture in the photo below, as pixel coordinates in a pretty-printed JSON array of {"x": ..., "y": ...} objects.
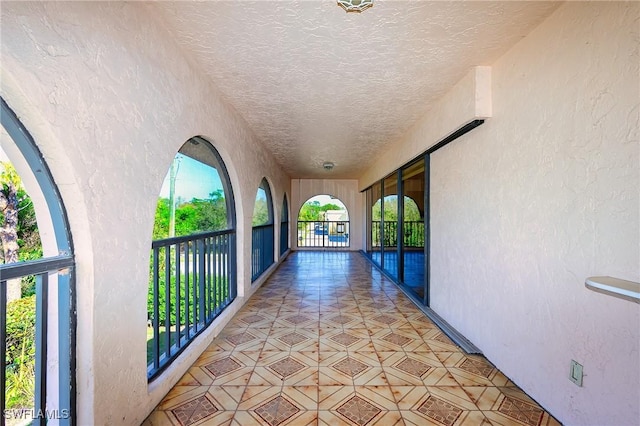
[
  {"x": 355, "y": 5},
  {"x": 328, "y": 165}
]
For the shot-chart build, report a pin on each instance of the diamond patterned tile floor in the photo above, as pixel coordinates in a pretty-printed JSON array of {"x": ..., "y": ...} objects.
[{"x": 329, "y": 340}]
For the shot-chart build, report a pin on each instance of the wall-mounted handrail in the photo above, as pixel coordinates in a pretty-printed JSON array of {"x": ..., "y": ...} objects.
[{"x": 623, "y": 289}]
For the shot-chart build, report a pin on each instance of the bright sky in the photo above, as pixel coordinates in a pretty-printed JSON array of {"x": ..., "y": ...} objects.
[
  {"x": 4, "y": 136},
  {"x": 326, "y": 199},
  {"x": 193, "y": 180}
]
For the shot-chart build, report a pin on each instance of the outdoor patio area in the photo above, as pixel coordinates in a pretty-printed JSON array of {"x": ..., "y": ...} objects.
[{"x": 329, "y": 340}]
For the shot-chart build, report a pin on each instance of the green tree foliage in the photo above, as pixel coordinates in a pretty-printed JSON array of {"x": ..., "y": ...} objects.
[
  {"x": 260, "y": 212},
  {"x": 21, "y": 350},
  {"x": 192, "y": 217},
  {"x": 212, "y": 213},
  {"x": 21, "y": 323},
  {"x": 411, "y": 211},
  {"x": 21, "y": 222},
  {"x": 161, "y": 222},
  {"x": 20, "y": 236},
  {"x": 20, "y": 242},
  {"x": 197, "y": 215},
  {"x": 313, "y": 211},
  {"x": 413, "y": 234},
  {"x": 216, "y": 297}
]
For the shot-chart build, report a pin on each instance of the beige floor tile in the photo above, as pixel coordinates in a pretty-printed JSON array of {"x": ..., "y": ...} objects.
[
  {"x": 382, "y": 395},
  {"x": 323, "y": 343},
  {"x": 158, "y": 418},
  {"x": 179, "y": 394}
]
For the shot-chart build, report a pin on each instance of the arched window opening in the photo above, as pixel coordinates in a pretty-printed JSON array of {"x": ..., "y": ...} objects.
[
  {"x": 323, "y": 221},
  {"x": 192, "y": 276},
  {"x": 262, "y": 237},
  {"x": 36, "y": 282},
  {"x": 284, "y": 227}
]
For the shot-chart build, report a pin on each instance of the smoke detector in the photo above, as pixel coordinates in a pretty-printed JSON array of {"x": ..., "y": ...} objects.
[{"x": 328, "y": 165}]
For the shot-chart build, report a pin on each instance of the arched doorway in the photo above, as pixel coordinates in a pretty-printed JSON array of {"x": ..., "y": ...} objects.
[{"x": 323, "y": 222}]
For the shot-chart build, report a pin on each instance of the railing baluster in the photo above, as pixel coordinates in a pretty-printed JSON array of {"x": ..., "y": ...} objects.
[
  {"x": 42, "y": 295},
  {"x": 231, "y": 279},
  {"x": 194, "y": 285},
  {"x": 223, "y": 270},
  {"x": 261, "y": 250},
  {"x": 222, "y": 258},
  {"x": 3, "y": 349},
  {"x": 187, "y": 276},
  {"x": 227, "y": 266},
  {"x": 210, "y": 282},
  {"x": 167, "y": 301},
  {"x": 156, "y": 308},
  {"x": 217, "y": 277},
  {"x": 201, "y": 283},
  {"x": 178, "y": 293},
  {"x": 207, "y": 280},
  {"x": 258, "y": 253}
]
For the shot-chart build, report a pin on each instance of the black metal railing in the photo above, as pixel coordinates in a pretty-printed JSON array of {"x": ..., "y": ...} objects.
[
  {"x": 261, "y": 249},
  {"x": 412, "y": 235},
  {"x": 323, "y": 233},
  {"x": 284, "y": 237},
  {"x": 53, "y": 270},
  {"x": 193, "y": 279}
]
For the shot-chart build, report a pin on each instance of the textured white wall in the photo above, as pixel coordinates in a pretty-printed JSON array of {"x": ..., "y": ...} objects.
[
  {"x": 540, "y": 197},
  {"x": 468, "y": 100},
  {"x": 109, "y": 99},
  {"x": 346, "y": 190}
]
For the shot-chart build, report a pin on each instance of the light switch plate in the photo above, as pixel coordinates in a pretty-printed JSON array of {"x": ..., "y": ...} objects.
[{"x": 575, "y": 373}]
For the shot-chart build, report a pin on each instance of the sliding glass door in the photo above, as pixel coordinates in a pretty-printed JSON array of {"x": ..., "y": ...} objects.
[
  {"x": 396, "y": 228},
  {"x": 413, "y": 228},
  {"x": 398, "y": 221}
]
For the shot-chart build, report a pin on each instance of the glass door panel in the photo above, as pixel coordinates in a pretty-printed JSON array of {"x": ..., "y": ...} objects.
[
  {"x": 413, "y": 229},
  {"x": 375, "y": 203},
  {"x": 390, "y": 217}
]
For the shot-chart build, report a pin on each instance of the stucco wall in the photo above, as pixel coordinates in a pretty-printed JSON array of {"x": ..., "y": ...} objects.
[
  {"x": 468, "y": 100},
  {"x": 109, "y": 99},
  {"x": 540, "y": 197},
  {"x": 346, "y": 190}
]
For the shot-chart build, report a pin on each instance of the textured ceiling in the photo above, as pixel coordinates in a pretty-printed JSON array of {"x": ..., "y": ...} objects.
[{"x": 317, "y": 84}]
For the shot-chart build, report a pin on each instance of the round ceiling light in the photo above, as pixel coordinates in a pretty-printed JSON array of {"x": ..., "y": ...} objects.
[
  {"x": 355, "y": 5},
  {"x": 328, "y": 165}
]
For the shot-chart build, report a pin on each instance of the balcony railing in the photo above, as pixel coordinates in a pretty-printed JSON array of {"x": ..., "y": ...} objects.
[
  {"x": 192, "y": 281},
  {"x": 323, "y": 233},
  {"x": 284, "y": 237},
  {"x": 413, "y": 234},
  {"x": 261, "y": 249},
  {"x": 51, "y": 274}
]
